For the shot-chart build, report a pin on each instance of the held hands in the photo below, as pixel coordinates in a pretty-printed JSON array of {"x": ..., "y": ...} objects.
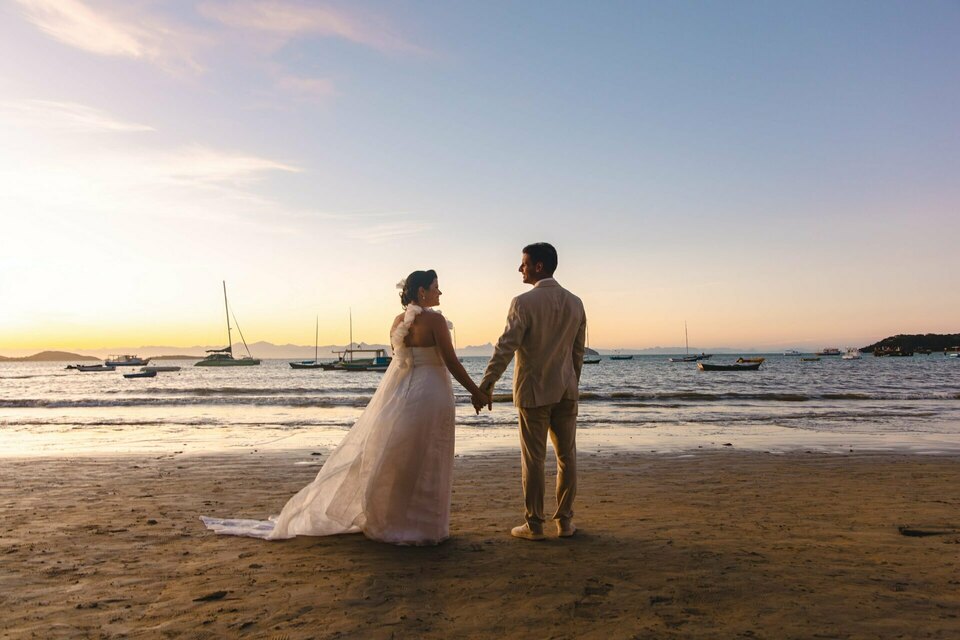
[{"x": 481, "y": 399}]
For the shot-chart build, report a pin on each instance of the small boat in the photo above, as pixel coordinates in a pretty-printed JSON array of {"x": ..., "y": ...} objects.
[
  {"x": 887, "y": 352},
  {"x": 791, "y": 352},
  {"x": 750, "y": 360},
  {"x": 94, "y": 368},
  {"x": 315, "y": 363},
  {"x": 621, "y": 356},
  {"x": 347, "y": 362},
  {"x": 224, "y": 357},
  {"x": 141, "y": 374},
  {"x": 378, "y": 363},
  {"x": 852, "y": 354},
  {"x": 589, "y": 355},
  {"x": 126, "y": 361},
  {"x": 810, "y": 359},
  {"x": 745, "y": 366},
  {"x": 953, "y": 354},
  {"x": 159, "y": 368},
  {"x": 688, "y": 357},
  {"x": 829, "y": 351}
]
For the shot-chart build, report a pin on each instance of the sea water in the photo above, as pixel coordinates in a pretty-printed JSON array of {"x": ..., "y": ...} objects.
[{"x": 643, "y": 404}]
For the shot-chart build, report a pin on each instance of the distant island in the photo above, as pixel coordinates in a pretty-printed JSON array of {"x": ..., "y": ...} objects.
[
  {"x": 48, "y": 356},
  {"x": 916, "y": 342}
]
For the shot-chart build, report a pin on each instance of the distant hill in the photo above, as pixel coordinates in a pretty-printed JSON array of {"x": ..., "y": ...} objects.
[
  {"x": 476, "y": 350},
  {"x": 49, "y": 356},
  {"x": 912, "y": 342}
]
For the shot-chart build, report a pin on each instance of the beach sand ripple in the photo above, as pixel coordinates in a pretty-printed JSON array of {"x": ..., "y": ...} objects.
[{"x": 721, "y": 544}]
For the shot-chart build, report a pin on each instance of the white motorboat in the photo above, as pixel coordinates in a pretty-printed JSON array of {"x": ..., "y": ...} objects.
[
  {"x": 126, "y": 361},
  {"x": 94, "y": 368},
  {"x": 851, "y": 354}
]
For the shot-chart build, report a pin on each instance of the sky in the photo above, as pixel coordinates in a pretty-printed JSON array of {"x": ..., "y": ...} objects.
[{"x": 777, "y": 175}]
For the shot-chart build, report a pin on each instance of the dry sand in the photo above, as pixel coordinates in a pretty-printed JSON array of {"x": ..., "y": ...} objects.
[{"x": 723, "y": 544}]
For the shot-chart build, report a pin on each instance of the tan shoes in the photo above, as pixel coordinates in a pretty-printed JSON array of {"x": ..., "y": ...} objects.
[
  {"x": 524, "y": 531},
  {"x": 566, "y": 528}
]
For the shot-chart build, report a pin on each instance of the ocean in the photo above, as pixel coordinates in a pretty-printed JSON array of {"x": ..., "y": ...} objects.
[{"x": 643, "y": 404}]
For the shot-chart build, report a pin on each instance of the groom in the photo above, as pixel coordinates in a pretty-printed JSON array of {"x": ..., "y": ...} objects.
[{"x": 546, "y": 328}]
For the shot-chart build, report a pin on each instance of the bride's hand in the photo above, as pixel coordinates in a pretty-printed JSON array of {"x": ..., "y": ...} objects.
[{"x": 479, "y": 400}]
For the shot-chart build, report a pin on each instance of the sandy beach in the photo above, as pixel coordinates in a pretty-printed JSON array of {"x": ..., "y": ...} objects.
[{"x": 720, "y": 544}]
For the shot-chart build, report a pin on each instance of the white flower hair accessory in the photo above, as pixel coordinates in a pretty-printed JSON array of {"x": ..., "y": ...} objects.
[{"x": 402, "y": 284}]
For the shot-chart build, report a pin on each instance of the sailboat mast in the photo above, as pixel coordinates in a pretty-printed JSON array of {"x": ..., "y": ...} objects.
[
  {"x": 226, "y": 309},
  {"x": 351, "y": 334},
  {"x": 316, "y": 342},
  {"x": 686, "y": 340}
]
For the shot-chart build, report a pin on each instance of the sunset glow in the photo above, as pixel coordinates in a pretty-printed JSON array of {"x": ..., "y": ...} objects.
[{"x": 776, "y": 176}]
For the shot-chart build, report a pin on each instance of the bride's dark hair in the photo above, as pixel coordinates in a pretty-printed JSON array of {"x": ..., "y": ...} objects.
[{"x": 412, "y": 284}]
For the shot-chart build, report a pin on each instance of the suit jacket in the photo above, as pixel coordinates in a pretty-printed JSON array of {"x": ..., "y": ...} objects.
[{"x": 546, "y": 327}]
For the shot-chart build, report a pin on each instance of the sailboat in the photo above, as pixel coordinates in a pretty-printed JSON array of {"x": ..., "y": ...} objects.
[
  {"x": 315, "y": 363},
  {"x": 589, "y": 355},
  {"x": 346, "y": 362},
  {"x": 224, "y": 357},
  {"x": 688, "y": 357}
]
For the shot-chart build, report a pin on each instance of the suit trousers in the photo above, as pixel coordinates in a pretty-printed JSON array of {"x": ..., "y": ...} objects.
[{"x": 560, "y": 421}]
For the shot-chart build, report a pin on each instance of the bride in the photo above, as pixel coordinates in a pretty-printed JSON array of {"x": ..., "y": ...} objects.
[{"x": 391, "y": 476}]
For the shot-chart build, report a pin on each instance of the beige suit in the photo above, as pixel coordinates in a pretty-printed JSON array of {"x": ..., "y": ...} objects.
[{"x": 545, "y": 328}]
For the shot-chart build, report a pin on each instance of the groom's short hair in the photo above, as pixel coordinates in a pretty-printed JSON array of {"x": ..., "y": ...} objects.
[{"x": 545, "y": 253}]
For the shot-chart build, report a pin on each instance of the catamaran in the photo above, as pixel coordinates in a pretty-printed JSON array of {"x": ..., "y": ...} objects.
[{"x": 224, "y": 357}]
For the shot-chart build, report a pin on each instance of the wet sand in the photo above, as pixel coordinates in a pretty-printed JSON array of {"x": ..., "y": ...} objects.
[{"x": 720, "y": 544}]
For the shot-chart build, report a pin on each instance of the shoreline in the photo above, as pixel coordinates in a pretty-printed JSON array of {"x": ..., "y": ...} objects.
[
  {"x": 673, "y": 546},
  {"x": 129, "y": 440}
]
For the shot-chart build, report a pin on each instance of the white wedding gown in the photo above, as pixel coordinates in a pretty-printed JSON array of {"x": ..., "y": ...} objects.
[{"x": 391, "y": 477}]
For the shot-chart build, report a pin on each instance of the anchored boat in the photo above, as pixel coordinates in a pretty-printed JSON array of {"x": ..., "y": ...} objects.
[
  {"x": 224, "y": 357},
  {"x": 315, "y": 363},
  {"x": 746, "y": 366},
  {"x": 94, "y": 368},
  {"x": 688, "y": 357},
  {"x": 126, "y": 361}
]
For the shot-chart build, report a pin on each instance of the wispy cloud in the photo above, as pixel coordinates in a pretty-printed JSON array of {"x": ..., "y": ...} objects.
[
  {"x": 205, "y": 165},
  {"x": 104, "y": 32},
  {"x": 288, "y": 20},
  {"x": 59, "y": 171},
  {"x": 64, "y": 117},
  {"x": 383, "y": 232},
  {"x": 76, "y": 24},
  {"x": 308, "y": 89}
]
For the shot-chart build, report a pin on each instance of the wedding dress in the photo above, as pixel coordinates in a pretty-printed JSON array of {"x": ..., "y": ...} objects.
[{"x": 392, "y": 475}]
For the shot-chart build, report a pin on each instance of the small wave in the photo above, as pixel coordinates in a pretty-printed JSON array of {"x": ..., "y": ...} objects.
[
  {"x": 671, "y": 398},
  {"x": 327, "y": 402},
  {"x": 235, "y": 391}
]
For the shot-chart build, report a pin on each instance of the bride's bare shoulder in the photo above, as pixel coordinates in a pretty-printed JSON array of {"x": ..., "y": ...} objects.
[{"x": 431, "y": 319}]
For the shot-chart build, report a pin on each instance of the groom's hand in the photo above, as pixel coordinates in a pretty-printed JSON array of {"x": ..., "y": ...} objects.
[{"x": 478, "y": 400}]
